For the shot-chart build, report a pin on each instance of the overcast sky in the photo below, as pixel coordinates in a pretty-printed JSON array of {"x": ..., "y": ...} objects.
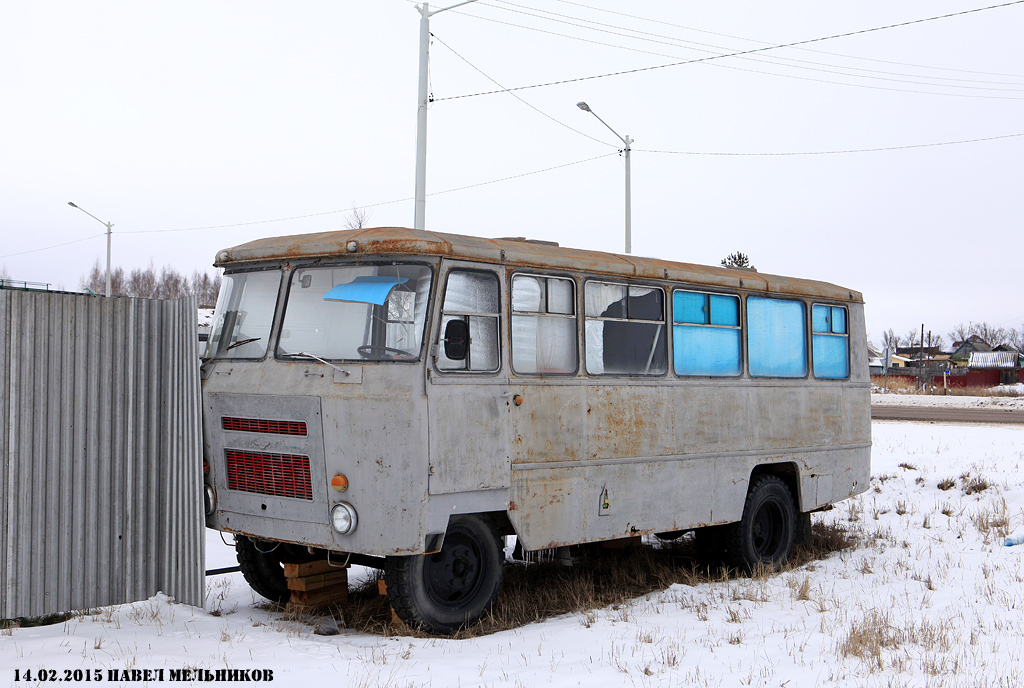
[{"x": 164, "y": 117}]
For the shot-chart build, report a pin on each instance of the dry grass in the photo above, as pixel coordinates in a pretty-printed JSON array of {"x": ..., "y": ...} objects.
[
  {"x": 901, "y": 385},
  {"x": 877, "y": 632},
  {"x": 974, "y": 484},
  {"x": 601, "y": 578}
]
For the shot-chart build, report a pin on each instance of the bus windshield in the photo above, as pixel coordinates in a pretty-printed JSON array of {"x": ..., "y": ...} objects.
[
  {"x": 245, "y": 312},
  {"x": 359, "y": 312}
]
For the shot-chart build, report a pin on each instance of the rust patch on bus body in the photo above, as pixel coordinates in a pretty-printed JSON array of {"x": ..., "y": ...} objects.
[{"x": 518, "y": 253}]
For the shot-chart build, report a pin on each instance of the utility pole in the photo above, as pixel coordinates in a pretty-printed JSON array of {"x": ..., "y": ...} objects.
[
  {"x": 423, "y": 99},
  {"x": 109, "y": 226},
  {"x": 627, "y": 142},
  {"x": 923, "y": 385}
]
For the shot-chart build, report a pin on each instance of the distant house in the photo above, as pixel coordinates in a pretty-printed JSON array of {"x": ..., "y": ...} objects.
[
  {"x": 1007, "y": 363},
  {"x": 962, "y": 350},
  {"x": 876, "y": 361},
  {"x": 932, "y": 357}
]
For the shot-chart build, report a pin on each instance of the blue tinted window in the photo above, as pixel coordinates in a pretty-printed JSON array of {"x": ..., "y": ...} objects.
[
  {"x": 713, "y": 351},
  {"x": 776, "y": 338},
  {"x": 708, "y": 340},
  {"x": 819, "y": 319},
  {"x": 831, "y": 359},
  {"x": 830, "y": 342},
  {"x": 725, "y": 310},
  {"x": 827, "y": 319},
  {"x": 688, "y": 307},
  {"x": 839, "y": 320}
]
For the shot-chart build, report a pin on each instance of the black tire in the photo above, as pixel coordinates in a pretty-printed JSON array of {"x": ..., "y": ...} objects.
[
  {"x": 442, "y": 592},
  {"x": 263, "y": 570},
  {"x": 765, "y": 534}
]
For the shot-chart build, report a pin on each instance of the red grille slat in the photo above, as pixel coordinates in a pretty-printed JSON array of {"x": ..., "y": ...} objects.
[
  {"x": 279, "y": 475},
  {"x": 273, "y": 427}
]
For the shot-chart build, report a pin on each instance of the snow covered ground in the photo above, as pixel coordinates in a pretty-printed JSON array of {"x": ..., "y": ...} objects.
[
  {"x": 929, "y": 597},
  {"x": 934, "y": 400}
]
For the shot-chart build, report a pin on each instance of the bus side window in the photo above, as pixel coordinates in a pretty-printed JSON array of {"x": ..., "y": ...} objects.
[
  {"x": 830, "y": 342},
  {"x": 706, "y": 334},
  {"x": 776, "y": 337},
  {"x": 625, "y": 329},
  {"x": 543, "y": 325},
  {"x": 472, "y": 297}
]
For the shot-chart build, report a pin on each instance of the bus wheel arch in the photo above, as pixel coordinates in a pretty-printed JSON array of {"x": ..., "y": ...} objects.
[
  {"x": 453, "y": 587},
  {"x": 765, "y": 534}
]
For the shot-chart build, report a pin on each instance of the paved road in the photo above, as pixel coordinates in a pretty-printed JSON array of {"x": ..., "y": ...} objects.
[{"x": 947, "y": 415}]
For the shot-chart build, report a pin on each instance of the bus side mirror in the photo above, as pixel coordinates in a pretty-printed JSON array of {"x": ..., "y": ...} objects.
[{"x": 456, "y": 340}]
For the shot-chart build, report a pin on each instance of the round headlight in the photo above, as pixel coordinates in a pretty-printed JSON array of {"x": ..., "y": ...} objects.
[
  {"x": 343, "y": 518},
  {"x": 209, "y": 499}
]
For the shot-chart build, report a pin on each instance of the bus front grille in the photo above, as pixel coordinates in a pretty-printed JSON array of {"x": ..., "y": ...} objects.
[
  {"x": 273, "y": 427},
  {"x": 279, "y": 475}
]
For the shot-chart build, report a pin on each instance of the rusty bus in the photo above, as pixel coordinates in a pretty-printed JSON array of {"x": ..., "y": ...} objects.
[{"x": 404, "y": 399}]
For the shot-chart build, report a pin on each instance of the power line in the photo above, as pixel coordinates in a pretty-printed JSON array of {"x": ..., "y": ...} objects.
[
  {"x": 327, "y": 212},
  {"x": 810, "y": 50},
  {"x": 838, "y": 152},
  {"x": 525, "y": 174},
  {"x": 536, "y": 109},
  {"x": 737, "y": 53},
  {"x": 47, "y": 248},
  {"x": 707, "y": 62},
  {"x": 711, "y": 48}
]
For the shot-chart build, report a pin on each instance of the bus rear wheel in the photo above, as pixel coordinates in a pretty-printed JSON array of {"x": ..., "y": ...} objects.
[
  {"x": 765, "y": 534},
  {"x": 442, "y": 592}
]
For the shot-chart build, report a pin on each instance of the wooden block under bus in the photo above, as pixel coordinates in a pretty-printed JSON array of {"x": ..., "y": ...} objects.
[
  {"x": 319, "y": 580},
  {"x": 310, "y": 568},
  {"x": 382, "y": 589},
  {"x": 335, "y": 594}
]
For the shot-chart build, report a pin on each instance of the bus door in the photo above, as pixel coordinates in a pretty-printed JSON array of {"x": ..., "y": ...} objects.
[{"x": 468, "y": 396}]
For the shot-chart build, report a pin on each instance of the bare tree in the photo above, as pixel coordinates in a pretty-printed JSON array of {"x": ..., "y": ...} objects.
[
  {"x": 890, "y": 340},
  {"x": 96, "y": 281},
  {"x": 4, "y": 275},
  {"x": 142, "y": 282},
  {"x": 146, "y": 283},
  {"x": 960, "y": 332},
  {"x": 357, "y": 218},
  {"x": 172, "y": 285},
  {"x": 990, "y": 333},
  {"x": 912, "y": 338},
  {"x": 204, "y": 288},
  {"x": 1015, "y": 338}
]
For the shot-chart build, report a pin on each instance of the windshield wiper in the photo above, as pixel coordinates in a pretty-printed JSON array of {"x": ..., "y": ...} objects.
[
  {"x": 303, "y": 354},
  {"x": 240, "y": 342}
]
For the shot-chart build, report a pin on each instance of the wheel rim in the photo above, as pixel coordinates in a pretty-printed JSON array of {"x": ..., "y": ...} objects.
[
  {"x": 453, "y": 575},
  {"x": 768, "y": 531}
]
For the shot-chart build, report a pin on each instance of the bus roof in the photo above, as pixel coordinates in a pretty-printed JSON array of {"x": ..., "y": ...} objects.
[{"x": 394, "y": 241}]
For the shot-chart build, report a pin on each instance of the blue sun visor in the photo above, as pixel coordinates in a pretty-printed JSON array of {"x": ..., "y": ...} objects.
[{"x": 365, "y": 289}]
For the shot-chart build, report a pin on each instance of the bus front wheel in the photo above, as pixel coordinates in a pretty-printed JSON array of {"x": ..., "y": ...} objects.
[
  {"x": 765, "y": 534},
  {"x": 262, "y": 568},
  {"x": 442, "y": 592}
]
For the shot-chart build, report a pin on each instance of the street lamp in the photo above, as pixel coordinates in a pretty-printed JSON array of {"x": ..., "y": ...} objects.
[
  {"x": 627, "y": 141},
  {"x": 419, "y": 220},
  {"x": 109, "y": 226}
]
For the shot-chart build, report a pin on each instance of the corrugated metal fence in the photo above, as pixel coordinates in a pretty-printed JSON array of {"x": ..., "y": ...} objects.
[{"x": 101, "y": 480}]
